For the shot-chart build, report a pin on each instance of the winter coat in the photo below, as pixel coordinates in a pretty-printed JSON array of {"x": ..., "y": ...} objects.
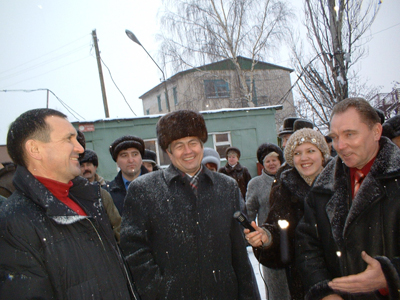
[
  {"x": 50, "y": 252},
  {"x": 112, "y": 213},
  {"x": 180, "y": 246},
  {"x": 99, "y": 179},
  {"x": 258, "y": 205},
  {"x": 287, "y": 203},
  {"x": 257, "y": 197},
  {"x": 240, "y": 174},
  {"x": 117, "y": 189},
  {"x": 335, "y": 224}
]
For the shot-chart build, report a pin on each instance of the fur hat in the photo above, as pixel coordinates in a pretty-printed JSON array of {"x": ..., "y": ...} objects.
[
  {"x": 264, "y": 149},
  {"x": 211, "y": 156},
  {"x": 125, "y": 142},
  {"x": 149, "y": 156},
  {"x": 306, "y": 135},
  {"x": 179, "y": 124},
  {"x": 302, "y": 123},
  {"x": 89, "y": 156},
  {"x": 287, "y": 126},
  {"x": 234, "y": 149},
  {"x": 391, "y": 128}
]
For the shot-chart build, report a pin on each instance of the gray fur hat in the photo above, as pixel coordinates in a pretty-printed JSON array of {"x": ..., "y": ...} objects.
[
  {"x": 89, "y": 156},
  {"x": 179, "y": 124},
  {"x": 211, "y": 156},
  {"x": 306, "y": 135}
]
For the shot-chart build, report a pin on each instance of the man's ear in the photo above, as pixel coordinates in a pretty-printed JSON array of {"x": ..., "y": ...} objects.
[
  {"x": 32, "y": 149},
  {"x": 377, "y": 130}
]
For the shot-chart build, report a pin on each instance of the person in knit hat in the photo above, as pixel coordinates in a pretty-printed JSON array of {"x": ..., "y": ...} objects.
[
  {"x": 178, "y": 233},
  {"x": 211, "y": 159},
  {"x": 306, "y": 153},
  {"x": 270, "y": 156},
  {"x": 127, "y": 151},
  {"x": 391, "y": 129},
  {"x": 235, "y": 170}
]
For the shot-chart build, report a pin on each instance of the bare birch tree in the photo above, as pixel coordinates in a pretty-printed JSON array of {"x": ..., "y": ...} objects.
[
  {"x": 198, "y": 32},
  {"x": 336, "y": 41}
]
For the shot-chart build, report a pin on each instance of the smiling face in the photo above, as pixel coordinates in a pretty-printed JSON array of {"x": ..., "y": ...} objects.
[
  {"x": 308, "y": 160},
  {"x": 129, "y": 161},
  {"x": 271, "y": 164},
  {"x": 186, "y": 154},
  {"x": 232, "y": 158},
  {"x": 59, "y": 156},
  {"x": 354, "y": 141}
]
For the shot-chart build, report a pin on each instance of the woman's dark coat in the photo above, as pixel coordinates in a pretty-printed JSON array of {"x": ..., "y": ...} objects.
[
  {"x": 180, "y": 246},
  {"x": 240, "y": 174},
  {"x": 336, "y": 229},
  {"x": 50, "y": 252},
  {"x": 287, "y": 203}
]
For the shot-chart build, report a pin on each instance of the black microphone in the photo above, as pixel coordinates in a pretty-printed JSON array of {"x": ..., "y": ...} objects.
[{"x": 242, "y": 219}]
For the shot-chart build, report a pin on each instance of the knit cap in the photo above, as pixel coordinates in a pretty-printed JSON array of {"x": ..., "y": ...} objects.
[{"x": 306, "y": 135}]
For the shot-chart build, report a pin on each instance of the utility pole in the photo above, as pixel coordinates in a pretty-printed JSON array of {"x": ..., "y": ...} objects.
[{"x": 103, "y": 89}]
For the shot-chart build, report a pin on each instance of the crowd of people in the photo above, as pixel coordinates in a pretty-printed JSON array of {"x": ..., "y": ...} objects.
[{"x": 323, "y": 212}]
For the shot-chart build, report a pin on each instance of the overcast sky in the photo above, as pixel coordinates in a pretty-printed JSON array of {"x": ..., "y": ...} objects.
[{"x": 48, "y": 45}]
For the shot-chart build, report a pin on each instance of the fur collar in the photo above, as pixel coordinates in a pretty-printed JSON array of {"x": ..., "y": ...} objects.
[{"x": 334, "y": 181}]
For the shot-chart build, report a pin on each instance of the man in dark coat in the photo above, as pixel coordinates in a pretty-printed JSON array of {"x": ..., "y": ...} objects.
[
  {"x": 55, "y": 238},
  {"x": 127, "y": 151},
  {"x": 178, "y": 232},
  {"x": 348, "y": 241}
]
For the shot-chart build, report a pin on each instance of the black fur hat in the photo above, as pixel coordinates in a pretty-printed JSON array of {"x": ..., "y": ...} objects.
[
  {"x": 179, "y": 124},
  {"x": 391, "y": 128},
  {"x": 264, "y": 149},
  {"x": 149, "y": 156},
  {"x": 125, "y": 142},
  {"x": 89, "y": 156}
]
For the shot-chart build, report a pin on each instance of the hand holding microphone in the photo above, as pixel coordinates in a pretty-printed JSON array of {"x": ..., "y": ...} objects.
[{"x": 255, "y": 235}]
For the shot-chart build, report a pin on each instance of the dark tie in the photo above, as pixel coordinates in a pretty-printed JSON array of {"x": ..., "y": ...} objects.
[
  {"x": 358, "y": 178},
  {"x": 127, "y": 183}
]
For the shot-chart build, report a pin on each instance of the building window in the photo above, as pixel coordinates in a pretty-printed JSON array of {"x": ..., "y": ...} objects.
[
  {"x": 147, "y": 111},
  {"x": 159, "y": 103},
  {"x": 222, "y": 141},
  {"x": 162, "y": 157},
  {"x": 254, "y": 96},
  {"x": 175, "y": 96},
  {"x": 216, "y": 88},
  {"x": 166, "y": 101}
]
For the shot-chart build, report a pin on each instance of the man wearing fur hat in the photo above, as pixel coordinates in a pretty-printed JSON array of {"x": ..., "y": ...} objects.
[
  {"x": 178, "y": 233},
  {"x": 127, "y": 151},
  {"x": 348, "y": 241}
]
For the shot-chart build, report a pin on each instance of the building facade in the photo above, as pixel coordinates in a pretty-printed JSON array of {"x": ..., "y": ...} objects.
[
  {"x": 224, "y": 84},
  {"x": 244, "y": 128}
]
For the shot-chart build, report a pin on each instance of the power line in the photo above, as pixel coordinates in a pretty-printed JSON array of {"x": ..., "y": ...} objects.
[
  {"x": 66, "y": 65},
  {"x": 117, "y": 86},
  {"x": 67, "y": 107},
  {"x": 44, "y": 54}
]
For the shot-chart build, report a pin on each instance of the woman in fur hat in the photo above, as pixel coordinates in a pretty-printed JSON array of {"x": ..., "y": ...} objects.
[
  {"x": 235, "y": 170},
  {"x": 270, "y": 156},
  {"x": 307, "y": 153}
]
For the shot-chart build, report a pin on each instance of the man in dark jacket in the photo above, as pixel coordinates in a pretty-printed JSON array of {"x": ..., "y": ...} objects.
[
  {"x": 127, "y": 151},
  {"x": 348, "y": 241},
  {"x": 55, "y": 238},
  {"x": 178, "y": 232}
]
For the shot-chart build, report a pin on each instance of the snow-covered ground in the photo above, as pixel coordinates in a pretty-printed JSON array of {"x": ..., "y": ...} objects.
[{"x": 257, "y": 269}]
